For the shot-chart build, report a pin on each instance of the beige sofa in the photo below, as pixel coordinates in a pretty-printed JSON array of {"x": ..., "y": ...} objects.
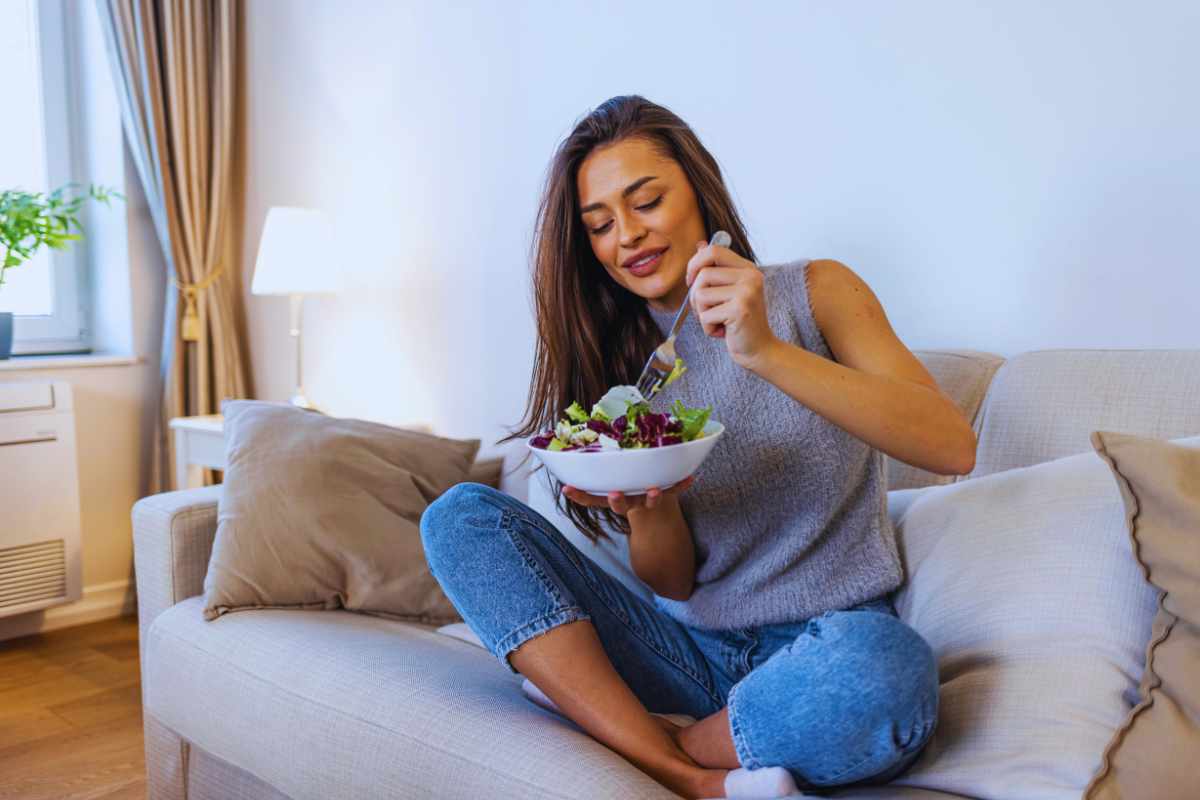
[{"x": 332, "y": 704}]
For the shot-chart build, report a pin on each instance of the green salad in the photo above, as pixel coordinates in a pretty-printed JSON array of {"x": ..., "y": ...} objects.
[{"x": 622, "y": 419}]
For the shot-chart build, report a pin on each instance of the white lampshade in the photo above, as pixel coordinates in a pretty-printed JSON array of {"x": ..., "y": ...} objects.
[{"x": 296, "y": 254}]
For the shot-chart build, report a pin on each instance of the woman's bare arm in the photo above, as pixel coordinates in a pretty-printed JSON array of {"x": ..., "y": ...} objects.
[
  {"x": 661, "y": 551},
  {"x": 875, "y": 388}
]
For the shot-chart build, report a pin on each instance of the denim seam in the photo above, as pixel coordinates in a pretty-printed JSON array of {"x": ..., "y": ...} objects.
[
  {"x": 523, "y": 517},
  {"x": 596, "y": 590},
  {"x": 516, "y": 637},
  {"x": 530, "y": 561},
  {"x": 748, "y": 652},
  {"x": 739, "y": 732}
]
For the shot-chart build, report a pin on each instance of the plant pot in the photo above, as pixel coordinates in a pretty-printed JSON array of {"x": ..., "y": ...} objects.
[{"x": 6, "y": 326}]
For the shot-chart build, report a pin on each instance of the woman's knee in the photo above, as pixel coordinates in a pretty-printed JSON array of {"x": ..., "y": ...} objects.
[
  {"x": 887, "y": 670},
  {"x": 890, "y": 673},
  {"x": 853, "y": 697},
  {"x": 462, "y": 524},
  {"x": 446, "y": 523}
]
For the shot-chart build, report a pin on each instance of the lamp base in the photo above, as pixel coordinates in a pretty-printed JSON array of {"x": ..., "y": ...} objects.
[{"x": 300, "y": 401}]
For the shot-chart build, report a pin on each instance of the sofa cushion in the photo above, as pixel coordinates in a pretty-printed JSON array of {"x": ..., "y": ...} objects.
[
  {"x": 963, "y": 376},
  {"x": 488, "y": 471},
  {"x": 1045, "y": 404},
  {"x": 330, "y": 704},
  {"x": 1024, "y": 585},
  {"x": 1153, "y": 755},
  {"x": 323, "y": 512}
]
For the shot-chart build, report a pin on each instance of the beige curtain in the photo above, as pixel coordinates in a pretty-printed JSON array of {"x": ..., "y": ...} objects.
[{"x": 178, "y": 67}]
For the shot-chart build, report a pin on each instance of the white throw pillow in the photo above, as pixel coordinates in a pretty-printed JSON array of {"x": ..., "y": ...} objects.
[
  {"x": 463, "y": 632},
  {"x": 1024, "y": 585}
]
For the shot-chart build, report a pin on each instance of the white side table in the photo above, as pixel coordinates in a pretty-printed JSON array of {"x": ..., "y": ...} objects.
[{"x": 199, "y": 442}]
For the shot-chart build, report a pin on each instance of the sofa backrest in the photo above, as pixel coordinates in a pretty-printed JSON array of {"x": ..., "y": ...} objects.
[{"x": 1043, "y": 404}]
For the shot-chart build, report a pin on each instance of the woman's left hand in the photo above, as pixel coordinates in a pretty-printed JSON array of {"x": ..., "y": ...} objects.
[{"x": 728, "y": 300}]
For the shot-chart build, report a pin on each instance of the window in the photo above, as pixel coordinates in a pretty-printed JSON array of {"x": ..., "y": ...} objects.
[{"x": 38, "y": 152}]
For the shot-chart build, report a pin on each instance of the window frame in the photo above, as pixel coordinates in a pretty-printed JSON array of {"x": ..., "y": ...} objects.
[{"x": 68, "y": 328}]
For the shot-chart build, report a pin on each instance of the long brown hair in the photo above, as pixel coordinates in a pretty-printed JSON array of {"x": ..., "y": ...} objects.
[{"x": 593, "y": 333}]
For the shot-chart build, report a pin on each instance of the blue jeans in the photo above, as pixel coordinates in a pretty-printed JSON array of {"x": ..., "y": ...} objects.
[{"x": 845, "y": 697}]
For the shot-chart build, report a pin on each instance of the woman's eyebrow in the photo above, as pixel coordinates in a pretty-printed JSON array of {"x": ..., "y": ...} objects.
[{"x": 628, "y": 190}]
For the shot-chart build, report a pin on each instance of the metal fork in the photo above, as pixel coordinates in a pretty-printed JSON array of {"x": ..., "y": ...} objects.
[{"x": 662, "y": 360}]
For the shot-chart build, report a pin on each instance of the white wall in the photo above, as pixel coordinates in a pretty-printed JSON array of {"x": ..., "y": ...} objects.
[{"x": 1006, "y": 176}]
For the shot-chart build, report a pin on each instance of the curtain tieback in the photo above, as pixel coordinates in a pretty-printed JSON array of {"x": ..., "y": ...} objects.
[{"x": 189, "y": 326}]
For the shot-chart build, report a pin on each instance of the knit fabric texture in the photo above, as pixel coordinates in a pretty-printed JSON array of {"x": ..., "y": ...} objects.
[{"x": 789, "y": 511}]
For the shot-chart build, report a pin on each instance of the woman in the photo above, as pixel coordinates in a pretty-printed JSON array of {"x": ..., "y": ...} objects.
[{"x": 772, "y": 566}]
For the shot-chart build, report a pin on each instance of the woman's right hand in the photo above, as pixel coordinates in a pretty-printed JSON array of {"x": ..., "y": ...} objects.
[{"x": 622, "y": 503}]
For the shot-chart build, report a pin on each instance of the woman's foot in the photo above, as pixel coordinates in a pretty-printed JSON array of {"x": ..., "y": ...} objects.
[
  {"x": 694, "y": 783},
  {"x": 690, "y": 779},
  {"x": 711, "y": 784},
  {"x": 716, "y": 783}
]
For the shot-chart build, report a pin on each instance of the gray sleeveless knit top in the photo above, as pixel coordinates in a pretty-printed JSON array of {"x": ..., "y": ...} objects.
[{"x": 789, "y": 511}]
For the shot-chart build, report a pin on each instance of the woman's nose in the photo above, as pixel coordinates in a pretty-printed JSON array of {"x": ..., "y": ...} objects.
[{"x": 631, "y": 234}]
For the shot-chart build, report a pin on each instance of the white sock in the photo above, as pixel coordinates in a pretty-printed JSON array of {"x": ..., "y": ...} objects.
[
  {"x": 766, "y": 782},
  {"x": 536, "y": 695}
]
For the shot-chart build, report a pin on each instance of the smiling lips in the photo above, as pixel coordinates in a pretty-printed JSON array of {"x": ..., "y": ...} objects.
[{"x": 645, "y": 261}]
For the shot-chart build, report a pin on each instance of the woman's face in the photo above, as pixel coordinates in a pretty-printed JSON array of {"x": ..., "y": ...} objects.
[{"x": 634, "y": 201}]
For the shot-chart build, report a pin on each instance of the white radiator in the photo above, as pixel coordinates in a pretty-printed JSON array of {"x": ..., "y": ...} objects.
[{"x": 40, "y": 559}]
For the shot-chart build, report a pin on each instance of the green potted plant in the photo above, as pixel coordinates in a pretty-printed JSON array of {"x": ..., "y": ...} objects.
[{"x": 29, "y": 220}]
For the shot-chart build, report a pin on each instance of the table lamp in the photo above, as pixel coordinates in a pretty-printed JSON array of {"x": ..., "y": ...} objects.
[{"x": 296, "y": 257}]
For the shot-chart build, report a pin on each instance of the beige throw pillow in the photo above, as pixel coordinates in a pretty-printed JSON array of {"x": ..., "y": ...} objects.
[
  {"x": 320, "y": 512},
  {"x": 1155, "y": 754}
]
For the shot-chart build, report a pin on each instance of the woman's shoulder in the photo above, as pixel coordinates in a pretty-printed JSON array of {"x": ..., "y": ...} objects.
[
  {"x": 812, "y": 271},
  {"x": 810, "y": 288},
  {"x": 785, "y": 275},
  {"x": 820, "y": 280},
  {"x": 795, "y": 279}
]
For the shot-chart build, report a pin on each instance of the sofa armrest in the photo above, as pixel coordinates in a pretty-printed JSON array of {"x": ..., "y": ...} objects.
[{"x": 173, "y": 536}]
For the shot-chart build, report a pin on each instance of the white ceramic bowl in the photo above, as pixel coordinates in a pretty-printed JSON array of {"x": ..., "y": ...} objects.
[{"x": 633, "y": 470}]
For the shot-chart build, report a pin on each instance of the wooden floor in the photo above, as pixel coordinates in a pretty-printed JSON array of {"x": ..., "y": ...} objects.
[{"x": 71, "y": 714}]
